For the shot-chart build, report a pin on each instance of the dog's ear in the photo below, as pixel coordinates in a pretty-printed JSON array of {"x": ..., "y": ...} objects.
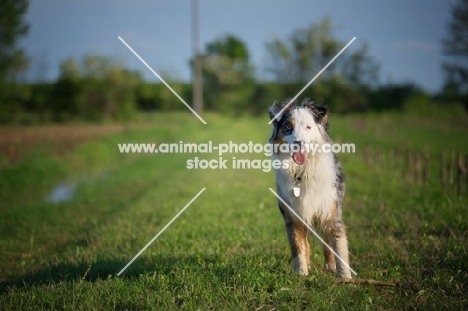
[
  {"x": 277, "y": 107},
  {"x": 275, "y": 110},
  {"x": 274, "y": 132},
  {"x": 272, "y": 114},
  {"x": 320, "y": 113},
  {"x": 323, "y": 115}
]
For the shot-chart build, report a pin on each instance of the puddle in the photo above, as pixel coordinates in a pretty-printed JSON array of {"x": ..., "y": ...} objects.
[
  {"x": 65, "y": 191},
  {"x": 61, "y": 193}
]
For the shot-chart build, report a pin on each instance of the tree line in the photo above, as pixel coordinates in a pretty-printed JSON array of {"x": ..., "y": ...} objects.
[{"x": 99, "y": 87}]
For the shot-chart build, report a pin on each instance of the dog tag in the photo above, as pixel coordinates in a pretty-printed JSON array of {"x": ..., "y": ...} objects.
[{"x": 297, "y": 191}]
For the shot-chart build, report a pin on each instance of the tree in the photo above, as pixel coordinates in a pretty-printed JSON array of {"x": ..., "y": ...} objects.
[
  {"x": 227, "y": 74},
  {"x": 307, "y": 50},
  {"x": 346, "y": 82},
  {"x": 96, "y": 87},
  {"x": 359, "y": 69},
  {"x": 304, "y": 53},
  {"x": 12, "y": 59},
  {"x": 455, "y": 47}
]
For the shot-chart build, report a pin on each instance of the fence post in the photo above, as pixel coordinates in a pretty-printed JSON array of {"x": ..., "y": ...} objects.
[
  {"x": 392, "y": 160},
  {"x": 418, "y": 167},
  {"x": 379, "y": 159},
  {"x": 451, "y": 170},
  {"x": 426, "y": 168},
  {"x": 461, "y": 173},
  {"x": 367, "y": 156},
  {"x": 466, "y": 173},
  {"x": 443, "y": 172},
  {"x": 410, "y": 166}
]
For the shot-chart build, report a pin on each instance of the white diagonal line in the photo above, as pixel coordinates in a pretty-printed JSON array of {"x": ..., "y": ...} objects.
[
  {"x": 313, "y": 231},
  {"x": 162, "y": 230},
  {"x": 316, "y": 76},
  {"x": 162, "y": 80}
]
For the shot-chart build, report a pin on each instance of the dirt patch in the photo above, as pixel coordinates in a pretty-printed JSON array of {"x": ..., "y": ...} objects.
[{"x": 16, "y": 142}]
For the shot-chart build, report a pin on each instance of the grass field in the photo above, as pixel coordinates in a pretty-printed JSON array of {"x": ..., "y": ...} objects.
[{"x": 228, "y": 250}]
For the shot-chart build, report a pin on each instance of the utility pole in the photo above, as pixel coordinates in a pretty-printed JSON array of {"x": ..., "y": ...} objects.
[
  {"x": 197, "y": 78},
  {"x": 319, "y": 56}
]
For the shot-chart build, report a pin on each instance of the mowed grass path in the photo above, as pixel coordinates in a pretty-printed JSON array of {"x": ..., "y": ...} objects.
[{"x": 228, "y": 250}]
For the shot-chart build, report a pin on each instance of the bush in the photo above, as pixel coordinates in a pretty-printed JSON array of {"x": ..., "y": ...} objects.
[
  {"x": 98, "y": 88},
  {"x": 422, "y": 105}
]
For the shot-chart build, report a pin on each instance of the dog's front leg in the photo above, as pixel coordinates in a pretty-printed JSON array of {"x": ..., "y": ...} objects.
[
  {"x": 330, "y": 262},
  {"x": 300, "y": 248},
  {"x": 340, "y": 245}
]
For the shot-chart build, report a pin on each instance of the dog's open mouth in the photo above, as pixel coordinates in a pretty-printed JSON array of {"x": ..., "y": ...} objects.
[{"x": 300, "y": 157}]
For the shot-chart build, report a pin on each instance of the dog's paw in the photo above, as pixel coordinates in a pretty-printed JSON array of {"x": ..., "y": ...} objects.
[
  {"x": 344, "y": 275},
  {"x": 330, "y": 267},
  {"x": 302, "y": 272}
]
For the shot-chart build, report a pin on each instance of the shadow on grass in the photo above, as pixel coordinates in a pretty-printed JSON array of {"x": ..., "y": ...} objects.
[
  {"x": 102, "y": 269},
  {"x": 69, "y": 272}
]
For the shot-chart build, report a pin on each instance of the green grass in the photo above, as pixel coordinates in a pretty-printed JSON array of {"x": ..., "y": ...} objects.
[{"x": 228, "y": 250}]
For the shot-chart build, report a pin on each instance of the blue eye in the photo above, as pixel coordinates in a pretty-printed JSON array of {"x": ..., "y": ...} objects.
[{"x": 288, "y": 127}]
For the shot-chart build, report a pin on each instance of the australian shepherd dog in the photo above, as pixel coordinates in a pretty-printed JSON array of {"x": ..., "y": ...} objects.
[{"x": 312, "y": 184}]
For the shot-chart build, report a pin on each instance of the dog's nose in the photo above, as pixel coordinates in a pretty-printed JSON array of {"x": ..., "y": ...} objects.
[{"x": 298, "y": 144}]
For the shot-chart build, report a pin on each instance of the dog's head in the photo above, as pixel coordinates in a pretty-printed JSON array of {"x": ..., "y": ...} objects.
[{"x": 297, "y": 126}]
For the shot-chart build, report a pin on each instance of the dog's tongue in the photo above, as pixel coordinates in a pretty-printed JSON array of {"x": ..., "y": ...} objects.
[{"x": 300, "y": 157}]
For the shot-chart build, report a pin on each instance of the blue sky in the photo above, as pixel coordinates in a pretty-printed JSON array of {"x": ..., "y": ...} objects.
[{"x": 404, "y": 36}]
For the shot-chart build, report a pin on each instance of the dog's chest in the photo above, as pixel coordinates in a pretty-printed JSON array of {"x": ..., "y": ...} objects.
[{"x": 310, "y": 189}]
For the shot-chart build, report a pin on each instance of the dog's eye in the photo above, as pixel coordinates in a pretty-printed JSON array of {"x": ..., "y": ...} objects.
[
  {"x": 288, "y": 127},
  {"x": 308, "y": 127}
]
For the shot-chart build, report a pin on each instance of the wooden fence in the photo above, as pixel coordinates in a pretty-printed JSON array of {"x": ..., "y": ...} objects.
[{"x": 449, "y": 168}]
